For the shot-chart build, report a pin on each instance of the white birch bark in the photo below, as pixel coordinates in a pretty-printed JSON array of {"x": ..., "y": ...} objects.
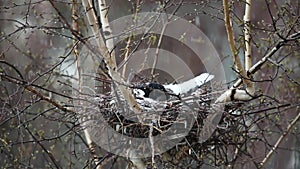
[
  {"x": 233, "y": 93},
  {"x": 109, "y": 58},
  {"x": 107, "y": 32}
]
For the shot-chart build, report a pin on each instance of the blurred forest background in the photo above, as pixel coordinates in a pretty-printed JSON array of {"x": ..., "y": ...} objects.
[{"x": 37, "y": 68}]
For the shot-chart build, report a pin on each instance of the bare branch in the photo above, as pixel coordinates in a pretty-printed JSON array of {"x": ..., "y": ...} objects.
[
  {"x": 233, "y": 93},
  {"x": 280, "y": 139},
  {"x": 262, "y": 61},
  {"x": 107, "y": 32},
  {"x": 231, "y": 41},
  {"x": 89, "y": 141},
  {"x": 39, "y": 94},
  {"x": 110, "y": 62},
  {"x": 248, "y": 53}
]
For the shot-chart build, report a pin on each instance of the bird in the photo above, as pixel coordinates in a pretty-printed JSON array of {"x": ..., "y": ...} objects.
[
  {"x": 190, "y": 85},
  {"x": 151, "y": 90},
  {"x": 162, "y": 92}
]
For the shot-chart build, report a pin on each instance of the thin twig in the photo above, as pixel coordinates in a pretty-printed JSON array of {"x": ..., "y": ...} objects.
[
  {"x": 75, "y": 25},
  {"x": 128, "y": 43},
  {"x": 161, "y": 37},
  {"x": 261, "y": 62},
  {"x": 280, "y": 139},
  {"x": 39, "y": 94}
]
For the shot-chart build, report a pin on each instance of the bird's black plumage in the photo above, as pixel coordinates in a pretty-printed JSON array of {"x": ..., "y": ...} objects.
[{"x": 150, "y": 87}]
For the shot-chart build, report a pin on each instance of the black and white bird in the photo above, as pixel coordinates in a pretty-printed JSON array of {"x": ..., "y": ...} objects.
[{"x": 161, "y": 92}]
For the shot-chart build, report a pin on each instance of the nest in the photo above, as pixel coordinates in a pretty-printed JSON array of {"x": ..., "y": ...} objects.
[{"x": 162, "y": 115}]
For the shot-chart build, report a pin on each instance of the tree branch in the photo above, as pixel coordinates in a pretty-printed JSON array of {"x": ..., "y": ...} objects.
[
  {"x": 109, "y": 57},
  {"x": 237, "y": 94},
  {"x": 261, "y": 62},
  {"x": 75, "y": 25},
  {"x": 248, "y": 52},
  {"x": 39, "y": 94},
  {"x": 231, "y": 40},
  {"x": 110, "y": 62},
  {"x": 280, "y": 139}
]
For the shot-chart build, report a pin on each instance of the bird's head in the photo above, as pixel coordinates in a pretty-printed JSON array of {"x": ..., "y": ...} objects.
[{"x": 151, "y": 90}]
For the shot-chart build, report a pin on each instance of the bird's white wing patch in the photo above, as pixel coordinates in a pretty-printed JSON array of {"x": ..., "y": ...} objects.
[
  {"x": 203, "y": 78},
  {"x": 189, "y": 85}
]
